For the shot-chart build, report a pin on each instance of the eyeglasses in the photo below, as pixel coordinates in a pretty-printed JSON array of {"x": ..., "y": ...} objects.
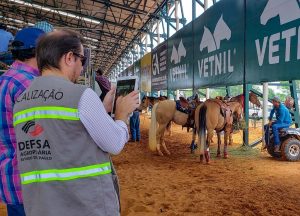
[{"x": 82, "y": 58}]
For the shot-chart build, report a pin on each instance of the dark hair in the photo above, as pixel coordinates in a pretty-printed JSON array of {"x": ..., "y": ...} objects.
[
  {"x": 3, "y": 26},
  {"x": 52, "y": 46},
  {"x": 24, "y": 54},
  {"x": 99, "y": 71}
]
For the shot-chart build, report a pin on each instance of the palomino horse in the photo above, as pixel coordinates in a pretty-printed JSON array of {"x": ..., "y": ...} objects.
[
  {"x": 215, "y": 115},
  {"x": 162, "y": 114}
]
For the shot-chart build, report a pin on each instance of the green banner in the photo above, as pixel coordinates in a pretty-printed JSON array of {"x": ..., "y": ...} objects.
[
  {"x": 219, "y": 45},
  {"x": 180, "y": 59},
  {"x": 273, "y": 40},
  {"x": 159, "y": 67}
]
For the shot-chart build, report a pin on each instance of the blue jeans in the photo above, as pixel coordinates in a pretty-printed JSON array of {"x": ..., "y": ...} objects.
[
  {"x": 15, "y": 210},
  {"x": 275, "y": 130},
  {"x": 135, "y": 126}
]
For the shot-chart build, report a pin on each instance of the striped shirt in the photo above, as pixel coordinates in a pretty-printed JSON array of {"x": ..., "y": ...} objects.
[
  {"x": 12, "y": 84},
  {"x": 109, "y": 135}
]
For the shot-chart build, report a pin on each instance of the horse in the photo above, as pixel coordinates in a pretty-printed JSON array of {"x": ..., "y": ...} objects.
[
  {"x": 237, "y": 111},
  {"x": 252, "y": 98},
  {"x": 215, "y": 115},
  {"x": 150, "y": 101},
  {"x": 162, "y": 114}
]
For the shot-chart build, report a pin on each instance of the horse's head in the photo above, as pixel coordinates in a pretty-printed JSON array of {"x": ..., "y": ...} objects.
[
  {"x": 144, "y": 103},
  {"x": 237, "y": 111},
  {"x": 254, "y": 99}
]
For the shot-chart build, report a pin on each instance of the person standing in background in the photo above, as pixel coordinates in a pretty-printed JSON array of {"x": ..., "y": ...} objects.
[
  {"x": 135, "y": 126},
  {"x": 103, "y": 83},
  {"x": 12, "y": 84}
]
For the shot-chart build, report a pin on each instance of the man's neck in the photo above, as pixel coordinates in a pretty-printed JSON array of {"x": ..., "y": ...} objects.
[
  {"x": 30, "y": 62},
  {"x": 54, "y": 72}
]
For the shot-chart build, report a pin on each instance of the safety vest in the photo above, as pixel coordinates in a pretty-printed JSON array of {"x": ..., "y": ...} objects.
[{"x": 63, "y": 171}]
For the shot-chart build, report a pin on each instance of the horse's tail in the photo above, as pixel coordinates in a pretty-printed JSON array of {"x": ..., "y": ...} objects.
[
  {"x": 202, "y": 129},
  {"x": 152, "y": 129}
]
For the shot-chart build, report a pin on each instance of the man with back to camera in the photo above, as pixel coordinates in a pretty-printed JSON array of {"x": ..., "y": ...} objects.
[
  {"x": 65, "y": 135},
  {"x": 283, "y": 120},
  {"x": 12, "y": 83}
]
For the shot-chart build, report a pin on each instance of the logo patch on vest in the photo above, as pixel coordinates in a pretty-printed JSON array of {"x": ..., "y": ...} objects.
[{"x": 33, "y": 129}]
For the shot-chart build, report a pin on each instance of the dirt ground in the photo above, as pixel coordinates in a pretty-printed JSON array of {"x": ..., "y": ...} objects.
[{"x": 249, "y": 182}]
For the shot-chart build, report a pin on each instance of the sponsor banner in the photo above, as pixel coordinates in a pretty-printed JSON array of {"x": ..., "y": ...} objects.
[
  {"x": 146, "y": 73},
  {"x": 180, "y": 59},
  {"x": 159, "y": 67},
  {"x": 219, "y": 45},
  {"x": 273, "y": 40}
]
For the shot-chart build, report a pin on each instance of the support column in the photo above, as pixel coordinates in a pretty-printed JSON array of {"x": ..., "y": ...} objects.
[
  {"x": 293, "y": 89},
  {"x": 246, "y": 89},
  {"x": 205, "y": 8},
  {"x": 158, "y": 32}
]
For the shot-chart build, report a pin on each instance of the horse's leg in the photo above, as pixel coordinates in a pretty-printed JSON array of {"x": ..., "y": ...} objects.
[
  {"x": 160, "y": 139},
  {"x": 219, "y": 145},
  {"x": 226, "y": 136},
  {"x": 169, "y": 125},
  {"x": 159, "y": 136},
  {"x": 193, "y": 145},
  {"x": 230, "y": 139},
  {"x": 210, "y": 134}
]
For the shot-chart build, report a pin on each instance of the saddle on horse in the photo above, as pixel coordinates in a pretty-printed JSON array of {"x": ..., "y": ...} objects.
[{"x": 225, "y": 111}]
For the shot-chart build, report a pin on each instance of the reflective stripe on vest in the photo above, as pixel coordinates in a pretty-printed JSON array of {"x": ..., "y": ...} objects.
[
  {"x": 65, "y": 174},
  {"x": 47, "y": 112}
]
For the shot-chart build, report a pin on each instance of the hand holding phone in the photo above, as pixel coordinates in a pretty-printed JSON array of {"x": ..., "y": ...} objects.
[
  {"x": 126, "y": 105},
  {"x": 126, "y": 98}
]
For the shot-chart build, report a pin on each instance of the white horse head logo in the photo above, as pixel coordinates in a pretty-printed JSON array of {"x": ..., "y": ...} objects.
[
  {"x": 177, "y": 54},
  {"x": 213, "y": 41},
  {"x": 287, "y": 11}
]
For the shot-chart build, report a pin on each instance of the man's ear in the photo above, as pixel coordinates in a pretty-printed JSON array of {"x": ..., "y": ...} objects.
[{"x": 69, "y": 58}]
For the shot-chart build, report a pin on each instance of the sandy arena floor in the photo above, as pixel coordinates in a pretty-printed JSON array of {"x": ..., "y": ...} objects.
[{"x": 248, "y": 183}]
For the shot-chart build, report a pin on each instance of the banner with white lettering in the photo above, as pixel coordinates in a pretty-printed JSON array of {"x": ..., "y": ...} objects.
[
  {"x": 219, "y": 45},
  {"x": 273, "y": 40},
  {"x": 180, "y": 59},
  {"x": 159, "y": 67}
]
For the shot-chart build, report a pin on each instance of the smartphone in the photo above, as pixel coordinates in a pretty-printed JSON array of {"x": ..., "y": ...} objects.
[{"x": 125, "y": 85}]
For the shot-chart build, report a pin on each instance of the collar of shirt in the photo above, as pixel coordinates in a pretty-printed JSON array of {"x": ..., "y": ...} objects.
[{"x": 17, "y": 65}]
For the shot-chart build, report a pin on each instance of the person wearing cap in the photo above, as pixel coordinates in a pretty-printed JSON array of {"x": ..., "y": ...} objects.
[
  {"x": 65, "y": 136},
  {"x": 283, "y": 120},
  {"x": 12, "y": 83}
]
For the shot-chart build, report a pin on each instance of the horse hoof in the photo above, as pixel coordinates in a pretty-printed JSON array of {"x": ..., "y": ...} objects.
[
  {"x": 225, "y": 156},
  {"x": 160, "y": 153},
  {"x": 218, "y": 155}
]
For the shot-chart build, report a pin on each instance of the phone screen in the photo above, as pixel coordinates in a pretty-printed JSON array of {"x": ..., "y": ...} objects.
[{"x": 124, "y": 87}]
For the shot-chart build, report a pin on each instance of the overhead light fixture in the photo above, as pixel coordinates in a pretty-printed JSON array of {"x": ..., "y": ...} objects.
[{"x": 55, "y": 11}]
